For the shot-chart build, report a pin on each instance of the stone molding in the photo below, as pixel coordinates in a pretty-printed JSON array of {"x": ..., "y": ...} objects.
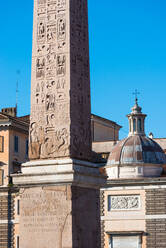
[{"x": 71, "y": 171}]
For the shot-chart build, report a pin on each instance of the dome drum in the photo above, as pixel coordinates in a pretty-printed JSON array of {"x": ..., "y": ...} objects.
[{"x": 134, "y": 171}]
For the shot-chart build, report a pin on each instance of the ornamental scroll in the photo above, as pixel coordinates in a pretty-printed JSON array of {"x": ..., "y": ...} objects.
[{"x": 123, "y": 202}]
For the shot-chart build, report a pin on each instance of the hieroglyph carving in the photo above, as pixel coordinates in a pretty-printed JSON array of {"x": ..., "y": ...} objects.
[
  {"x": 61, "y": 29},
  {"x": 61, "y": 64},
  {"x": 61, "y": 4},
  {"x": 40, "y": 68},
  {"x": 124, "y": 202},
  {"x": 41, "y": 31}
]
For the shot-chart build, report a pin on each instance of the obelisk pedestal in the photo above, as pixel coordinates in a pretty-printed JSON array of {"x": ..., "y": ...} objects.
[
  {"x": 59, "y": 187},
  {"x": 60, "y": 205}
]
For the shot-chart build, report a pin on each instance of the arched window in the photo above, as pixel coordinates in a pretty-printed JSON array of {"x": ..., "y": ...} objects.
[
  {"x": 130, "y": 125},
  {"x": 134, "y": 125},
  {"x": 139, "y": 125}
]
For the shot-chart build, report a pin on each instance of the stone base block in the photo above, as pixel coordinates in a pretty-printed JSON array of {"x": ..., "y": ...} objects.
[
  {"x": 61, "y": 216},
  {"x": 71, "y": 171}
]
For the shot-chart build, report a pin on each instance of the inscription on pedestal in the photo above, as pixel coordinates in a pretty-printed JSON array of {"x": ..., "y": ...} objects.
[{"x": 46, "y": 215}]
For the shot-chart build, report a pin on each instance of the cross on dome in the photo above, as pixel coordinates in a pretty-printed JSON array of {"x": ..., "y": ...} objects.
[{"x": 136, "y": 93}]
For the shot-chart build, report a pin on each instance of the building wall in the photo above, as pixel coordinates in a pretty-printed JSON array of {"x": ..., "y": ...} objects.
[
  {"x": 8, "y": 155},
  {"x": 9, "y": 215},
  {"x": 104, "y": 132},
  {"x": 149, "y": 219},
  {"x": 4, "y": 156},
  {"x": 103, "y": 147},
  {"x": 122, "y": 220},
  {"x": 7, "y": 219},
  {"x": 156, "y": 222},
  {"x": 161, "y": 142},
  {"x": 19, "y": 156}
]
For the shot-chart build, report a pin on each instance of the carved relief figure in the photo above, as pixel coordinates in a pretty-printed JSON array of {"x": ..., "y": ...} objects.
[
  {"x": 61, "y": 65},
  {"x": 57, "y": 143},
  {"x": 51, "y": 33},
  {"x": 61, "y": 29},
  {"x": 61, "y": 45},
  {"x": 41, "y": 2},
  {"x": 50, "y": 120},
  {"x": 51, "y": 49},
  {"x": 50, "y": 102},
  {"x": 41, "y": 11},
  {"x": 40, "y": 49},
  {"x": 61, "y": 4},
  {"x": 50, "y": 58},
  {"x": 125, "y": 202},
  {"x": 51, "y": 17},
  {"x": 34, "y": 149},
  {"x": 42, "y": 147},
  {"x": 50, "y": 84},
  {"x": 51, "y": 6},
  {"x": 50, "y": 71},
  {"x": 37, "y": 93},
  {"x": 50, "y": 62},
  {"x": 41, "y": 31},
  {"x": 60, "y": 96},
  {"x": 60, "y": 83},
  {"x": 40, "y": 68}
]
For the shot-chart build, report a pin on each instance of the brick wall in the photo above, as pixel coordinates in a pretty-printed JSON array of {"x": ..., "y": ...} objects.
[
  {"x": 156, "y": 233},
  {"x": 6, "y": 215},
  {"x": 156, "y": 201},
  {"x": 156, "y": 228}
]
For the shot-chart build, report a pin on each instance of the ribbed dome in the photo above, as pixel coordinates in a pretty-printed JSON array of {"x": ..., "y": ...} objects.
[{"x": 137, "y": 150}]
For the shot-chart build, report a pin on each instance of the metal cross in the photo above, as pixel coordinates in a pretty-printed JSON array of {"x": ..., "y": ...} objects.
[{"x": 136, "y": 93}]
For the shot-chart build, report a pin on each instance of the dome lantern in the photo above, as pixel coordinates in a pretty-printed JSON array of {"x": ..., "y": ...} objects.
[{"x": 136, "y": 120}]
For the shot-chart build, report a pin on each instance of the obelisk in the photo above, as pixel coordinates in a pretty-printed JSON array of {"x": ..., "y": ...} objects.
[
  {"x": 59, "y": 187},
  {"x": 60, "y": 92}
]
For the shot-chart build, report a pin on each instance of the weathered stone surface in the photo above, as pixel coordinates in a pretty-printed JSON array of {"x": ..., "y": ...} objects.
[
  {"x": 45, "y": 216},
  {"x": 59, "y": 216},
  {"x": 60, "y": 92},
  {"x": 1, "y": 177}
]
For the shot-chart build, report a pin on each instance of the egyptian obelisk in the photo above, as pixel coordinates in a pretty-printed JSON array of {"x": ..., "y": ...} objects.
[
  {"x": 59, "y": 187},
  {"x": 60, "y": 93}
]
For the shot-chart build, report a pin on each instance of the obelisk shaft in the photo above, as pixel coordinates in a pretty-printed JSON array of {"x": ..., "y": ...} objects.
[{"x": 60, "y": 88}]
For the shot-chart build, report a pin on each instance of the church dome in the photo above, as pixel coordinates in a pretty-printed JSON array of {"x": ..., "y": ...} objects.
[
  {"x": 137, "y": 155},
  {"x": 137, "y": 150}
]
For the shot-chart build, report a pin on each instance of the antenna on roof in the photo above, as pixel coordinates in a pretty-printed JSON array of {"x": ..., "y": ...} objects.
[{"x": 18, "y": 73}]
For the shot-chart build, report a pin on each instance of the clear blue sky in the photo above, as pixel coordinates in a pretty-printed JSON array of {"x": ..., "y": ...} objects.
[{"x": 127, "y": 52}]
